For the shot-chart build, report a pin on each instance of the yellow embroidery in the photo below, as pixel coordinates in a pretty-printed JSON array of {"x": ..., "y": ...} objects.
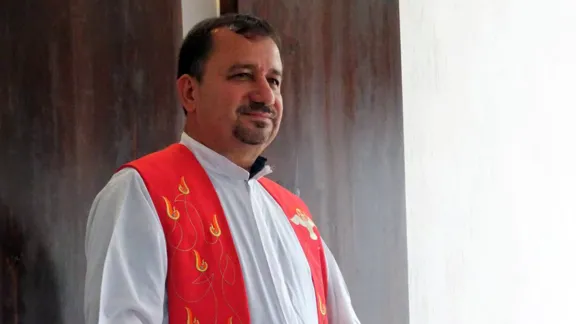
[
  {"x": 190, "y": 318},
  {"x": 321, "y": 305},
  {"x": 182, "y": 187},
  {"x": 300, "y": 218},
  {"x": 170, "y": 210},
  {"x": 214, "y": 227},
  {"x": 201, "y": 265}
]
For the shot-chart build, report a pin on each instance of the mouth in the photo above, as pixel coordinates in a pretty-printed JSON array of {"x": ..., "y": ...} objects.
[{"x": 259, "y": 115}]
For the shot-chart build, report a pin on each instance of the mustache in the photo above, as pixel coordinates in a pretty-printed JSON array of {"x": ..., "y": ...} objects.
[{"x": 254, "y": 107}]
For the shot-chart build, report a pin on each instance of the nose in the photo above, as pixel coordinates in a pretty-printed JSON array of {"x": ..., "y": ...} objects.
[{"x": 263, "y": 92}]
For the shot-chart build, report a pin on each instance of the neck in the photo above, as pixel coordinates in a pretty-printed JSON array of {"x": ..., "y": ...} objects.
[{"x": 242, "y": 155}]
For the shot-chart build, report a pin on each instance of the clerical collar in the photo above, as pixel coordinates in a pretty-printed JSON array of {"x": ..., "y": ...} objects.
[{"x": 214, "y": 162}]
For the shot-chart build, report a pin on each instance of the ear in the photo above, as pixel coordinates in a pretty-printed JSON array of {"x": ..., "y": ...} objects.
[{"x": 187, "y": 92}]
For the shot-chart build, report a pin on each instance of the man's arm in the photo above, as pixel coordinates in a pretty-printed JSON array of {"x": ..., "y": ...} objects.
[
  {"x": 340, "y": 310},
  {"x": 126, "y": 255}
]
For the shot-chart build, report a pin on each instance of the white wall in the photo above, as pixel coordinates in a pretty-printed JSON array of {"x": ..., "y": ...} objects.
[
  {"x": 490, "y": 142},
  {"x": 193, "y": 11}
]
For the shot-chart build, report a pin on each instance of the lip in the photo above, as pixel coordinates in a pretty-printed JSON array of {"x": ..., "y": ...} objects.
[{"x": 259, "y": 115}]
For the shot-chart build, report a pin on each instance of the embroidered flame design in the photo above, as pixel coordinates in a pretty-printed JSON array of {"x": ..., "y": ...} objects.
[
  {"x": 214, "y": 227},
  {"x": 190, "y": 318},
  {"x": 201, "y": 265},
  {"x": 183, "y": 187},
  {"x": 172, "y": 211},
  {"x": 321, "y": 305}
]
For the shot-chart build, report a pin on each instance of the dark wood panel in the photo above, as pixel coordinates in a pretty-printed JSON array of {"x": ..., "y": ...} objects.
[
  {"x": 84, "y": 86},
  {"x": 341, "y": 144},
  {"x": 228, "y": 6}
]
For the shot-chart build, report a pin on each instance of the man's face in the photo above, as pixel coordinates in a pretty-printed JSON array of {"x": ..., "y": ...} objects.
[{"x": 238, "y": 101}]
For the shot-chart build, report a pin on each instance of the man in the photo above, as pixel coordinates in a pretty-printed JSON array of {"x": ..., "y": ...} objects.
[{"x": 195, "y": 233}]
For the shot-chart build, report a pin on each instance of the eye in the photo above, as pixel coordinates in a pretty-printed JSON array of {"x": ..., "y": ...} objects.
[
  {"x": 242, "y": 76},
  {"x": 274, "y": 82}
]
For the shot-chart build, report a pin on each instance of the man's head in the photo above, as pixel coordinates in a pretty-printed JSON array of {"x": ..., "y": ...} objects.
[{"x": 229, "y": 77}]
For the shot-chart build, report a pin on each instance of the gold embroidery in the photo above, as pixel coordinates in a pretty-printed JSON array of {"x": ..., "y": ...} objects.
[
  {"x": 321, "y": 305},
  {"x": 300, "y": 218},
  {"x": 170, "y": 210},
  {"x": 190, "y": 318},
  {"x": 182, "y": 187},
  {"x": 230, "y": 320},
  {"x": 214, "y": 227},
  {"x": 201, "y": 265}
]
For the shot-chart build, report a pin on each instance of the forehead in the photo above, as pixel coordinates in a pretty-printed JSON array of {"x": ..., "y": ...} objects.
[{"x": 231, "y": 48}]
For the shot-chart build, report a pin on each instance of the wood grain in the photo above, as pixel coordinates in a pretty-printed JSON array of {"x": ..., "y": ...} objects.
[
  {"x": 341, "y": 146},
  {"x": 84, "y": 86},
  {"x": 228, "y": 6}
]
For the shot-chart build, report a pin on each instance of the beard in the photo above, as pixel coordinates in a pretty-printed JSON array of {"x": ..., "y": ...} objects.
[
  {"x": 258, "y": 134},
  {"x": 255, "y": 132}
]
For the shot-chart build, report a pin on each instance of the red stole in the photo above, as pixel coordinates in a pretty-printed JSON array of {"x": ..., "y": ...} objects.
[{"x": 204, "y": 281}]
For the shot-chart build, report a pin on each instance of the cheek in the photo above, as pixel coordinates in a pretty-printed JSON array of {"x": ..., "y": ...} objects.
[
  {"x": 232, "y": 98},
  {"x": 279, "y": 107},
  {"x": 222, "y": 105}
]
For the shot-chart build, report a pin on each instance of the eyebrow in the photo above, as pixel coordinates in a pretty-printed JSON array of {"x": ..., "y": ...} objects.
[{"x": 239, "y": 66}]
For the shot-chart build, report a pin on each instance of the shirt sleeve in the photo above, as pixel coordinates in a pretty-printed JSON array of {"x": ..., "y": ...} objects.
[
  {"x": 126, "y": 255},
  {"x": 339, "y": 305}
]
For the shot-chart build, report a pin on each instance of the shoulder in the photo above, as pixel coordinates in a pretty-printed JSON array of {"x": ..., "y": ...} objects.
[
  {"x": 283, "y": 195},
  {"x": 277, "y": 189},
  {"x": 123, "y": 184},
  {"x": 158, "y": 156},
  {"x": 273, "y": 185},
  {"x": 162, "y": 161}
]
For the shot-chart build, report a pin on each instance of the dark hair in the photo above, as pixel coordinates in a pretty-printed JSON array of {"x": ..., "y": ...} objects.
[{"x": 197, "y": 45}]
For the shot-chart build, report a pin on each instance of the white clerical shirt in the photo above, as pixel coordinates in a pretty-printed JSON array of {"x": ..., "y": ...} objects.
[{"x": 127, "y": 262}]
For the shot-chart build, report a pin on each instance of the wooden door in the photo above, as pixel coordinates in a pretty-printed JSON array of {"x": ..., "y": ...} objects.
[
  {"x": 340, "y": 146},
  {"x": 85, "y": 85}
]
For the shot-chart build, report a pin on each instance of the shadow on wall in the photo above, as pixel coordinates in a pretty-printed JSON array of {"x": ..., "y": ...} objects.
[{"x": 28, "y": 285}]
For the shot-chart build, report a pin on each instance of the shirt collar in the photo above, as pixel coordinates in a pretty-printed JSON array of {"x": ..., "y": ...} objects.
[{"x": 213, "y": 162}]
